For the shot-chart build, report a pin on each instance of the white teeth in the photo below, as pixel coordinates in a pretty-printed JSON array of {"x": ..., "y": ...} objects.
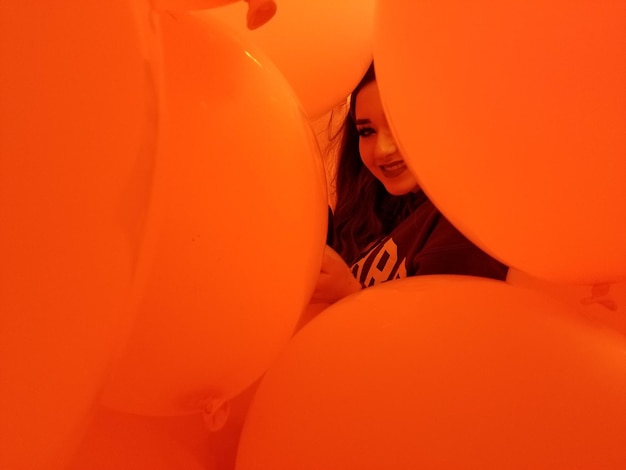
[{"x": 392, "y": 166}]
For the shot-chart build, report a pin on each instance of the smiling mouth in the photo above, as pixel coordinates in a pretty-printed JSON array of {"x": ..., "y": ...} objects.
[{"x": 394, "y": 169}]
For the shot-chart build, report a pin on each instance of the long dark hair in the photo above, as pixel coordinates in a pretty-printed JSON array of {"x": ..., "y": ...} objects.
[{"x": 364, "y": 210}]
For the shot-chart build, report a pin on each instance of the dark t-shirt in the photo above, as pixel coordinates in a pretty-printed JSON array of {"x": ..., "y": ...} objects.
[{"x": 424, "y": 243}]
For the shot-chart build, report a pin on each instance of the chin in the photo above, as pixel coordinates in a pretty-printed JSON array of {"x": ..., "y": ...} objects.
[{"x": 402, "y": 189}]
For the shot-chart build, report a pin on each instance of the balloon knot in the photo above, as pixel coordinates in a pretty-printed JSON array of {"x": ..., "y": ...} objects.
[
  {"x": 260, "y": 12},
  {"x": 600, "y": 295},
  {"x": 215, "y": 413}
]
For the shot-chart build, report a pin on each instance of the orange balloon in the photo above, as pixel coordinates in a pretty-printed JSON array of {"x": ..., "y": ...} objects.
[
  {"x": 239, "y": 226},
  {"x": 445, "y": 372},
  {"x": 603, "y": 303},
  {"x": 322, "y": 47},
  {"x": 77, "y": 147},
  {"x": 259, "y": 11},
  {"x": 116, "y": 440},
  {"x": 512, "y": 116},
  {"x": 189, "y": 5}
]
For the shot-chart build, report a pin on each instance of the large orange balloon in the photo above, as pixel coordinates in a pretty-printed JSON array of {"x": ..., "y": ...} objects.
[
  {"x": 442, "y": 372},
  {"x": 239, "y": 226},
  {"x": 78, "y": 136},
  {"x": 322, "y": 47},
  {"x": 512, "y": 116},
  {"x": 603, "y": 303},
  {"x": 189, "y": 5},
  {"x": 117, "y": 440},
  {"x": 259, "y": 11}
]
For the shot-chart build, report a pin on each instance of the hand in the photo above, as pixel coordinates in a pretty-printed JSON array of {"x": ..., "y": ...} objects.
[{"x": 335, "y": 280}]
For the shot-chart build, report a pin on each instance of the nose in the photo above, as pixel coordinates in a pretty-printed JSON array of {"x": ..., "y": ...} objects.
[{"x": 385, "y": 143}]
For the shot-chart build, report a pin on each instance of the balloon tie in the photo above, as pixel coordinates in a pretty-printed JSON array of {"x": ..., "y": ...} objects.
[
  {"x": 600, "y": 295},
  {"x": 259, "y": 12},
  {"x": 215, "y": 413}
]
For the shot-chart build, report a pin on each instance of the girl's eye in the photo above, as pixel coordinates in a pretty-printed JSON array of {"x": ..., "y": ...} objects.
[{"x": 365, "y": 131}]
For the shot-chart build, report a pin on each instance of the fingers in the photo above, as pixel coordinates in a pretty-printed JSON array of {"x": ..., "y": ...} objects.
[
  {"x": 334, "y": 286},
  {"x": 332, "y": 262}
]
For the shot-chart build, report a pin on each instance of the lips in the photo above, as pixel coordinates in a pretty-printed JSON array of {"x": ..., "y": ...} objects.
[{"x": 393, "y": 169}]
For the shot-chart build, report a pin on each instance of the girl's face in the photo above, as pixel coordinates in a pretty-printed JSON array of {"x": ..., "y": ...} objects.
[{"x": 377, "y": 146}]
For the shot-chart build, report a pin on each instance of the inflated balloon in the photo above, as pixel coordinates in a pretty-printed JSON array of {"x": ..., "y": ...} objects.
[
  {"x": 117, "y": 440},
  {"x": 259, "y": 11},
  {"x": 77, "y": 147},
  {"x": 189, "y": 5},
  {"x": 445, "y": 372},
  {"x": 512, "y": 116},
  {"x": 604, "y": 303},
  {"x": 322, "y": 47},
  {"x": 239, "y": 229}
]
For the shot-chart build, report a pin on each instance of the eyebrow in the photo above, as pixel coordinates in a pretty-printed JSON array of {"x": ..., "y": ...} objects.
[{"x": 362, "y": 121}]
